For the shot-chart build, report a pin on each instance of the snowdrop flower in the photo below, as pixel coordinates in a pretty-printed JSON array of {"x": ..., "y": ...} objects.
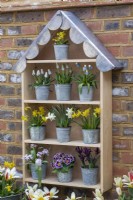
[
  {"x": 52, "y": 193},
  {"x": 86, "y": 72},
  {"x": 84, "y": 68},
  {"x": 69, "y": 112},
  {"x": 33, "y": 73},
  {"x": 46, "y": 75},
  {"x": 38, "y": 73},
  {"x": 62, "y": 68},
  {"x": 98, "y": 195},
  {"x": 57, "y": 66},
  {"x": 38, "y": 162},
  {"x": 73, "y": 197},
  {"x": 49, "y": 72},
  {"x": 42, "y": 72},
  {"x": 51, "y": 116},
  {"x": 11, "y": 173}
]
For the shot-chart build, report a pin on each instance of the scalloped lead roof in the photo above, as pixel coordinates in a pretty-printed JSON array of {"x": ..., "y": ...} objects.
[{"x": 79, "y": 33}]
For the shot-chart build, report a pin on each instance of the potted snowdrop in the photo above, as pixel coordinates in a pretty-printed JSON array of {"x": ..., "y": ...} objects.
[
  {"x": 86, "y": 82},
  {"x": 63, "y": 79},
  {"x": 42, "y": 82},
  {"x": 63, "y": 119}
]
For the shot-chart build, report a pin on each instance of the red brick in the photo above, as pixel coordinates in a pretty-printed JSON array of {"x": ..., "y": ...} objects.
[
  {"x": 127, "y": 51},
  {"x": 127, "y": 158},
  {"x": 120, "y": 170},
  {"x": 114, "y": 50},
  {"x": 121, "y": 144},
  {"x": 95, "y": 25},
  {"x": 2, "y": 125},
  {"x": 116, "y": 105},
  {"x": 2, "y": 54},
  {"x": 114, "y": 38},
  {"x": 6, "y": 42},
  {"x": 3, "y": 149},
  {"x": 116, "y": 131},
  {"x": 2, "y": 101},
  {"x": 27, "y": 30}
]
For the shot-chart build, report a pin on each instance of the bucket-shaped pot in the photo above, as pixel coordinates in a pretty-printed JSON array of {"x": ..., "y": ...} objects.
[
  {"x": 12, "y": 197},
  {"x": 91, "y": 136},
  {"x": 42, "y": 92},
  {"x": 61, "y": 51},
  {"x": 63, "y": 92},
  {"x": 37, "y": 133},
  {"x": 90, "y": 176},
  {"x": 34, "y": 172},
  {"x": 64, "y": 177},
  {"x": 85, "y": 94},
  {"x": 63, "y": 134}
]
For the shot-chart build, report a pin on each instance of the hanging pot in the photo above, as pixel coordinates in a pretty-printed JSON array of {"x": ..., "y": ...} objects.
[
  {"x": 63, "y": 134},
  {"x": 42, "y": 92},
  {"x": 63, "y": 92},
  {"x": 86, "y": 95},
  {"x": 89, "y": 176},
  {"x": 91, "y": 136},
  {"x": 65, "y": 177},
  {"x": 37, "y": 133},
  {"x": 61, "y": 51}
]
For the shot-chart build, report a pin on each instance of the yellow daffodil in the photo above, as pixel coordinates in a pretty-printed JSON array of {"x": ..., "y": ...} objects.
[
  {"x": 42, "y": 111},
  {"x": 9, "y": 164},
  {"x": 25, "y": 118},
  {"x": 27, "y": 108},
  {"x": 97, "y": 110},
  {"x": 8, "y": 188},
  {"x": 34, "y": 113},
  {"x": 85, "y": 113},
  {"x": 44, "y": 119}
]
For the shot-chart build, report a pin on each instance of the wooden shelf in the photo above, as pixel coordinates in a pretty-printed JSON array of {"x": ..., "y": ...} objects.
[
  {"x": 63, "y": 102},
  {"x": 63, "y": 61},
  {"x": 52, "y": 141},
  {"x": 74, "y": 183}
]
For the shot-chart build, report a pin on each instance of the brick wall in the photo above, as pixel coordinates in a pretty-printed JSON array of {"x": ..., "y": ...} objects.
[{"x": 113, "y": 25}]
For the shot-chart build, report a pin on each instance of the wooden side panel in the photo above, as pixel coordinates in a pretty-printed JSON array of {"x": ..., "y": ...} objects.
[{"x": 106, "y": 130}]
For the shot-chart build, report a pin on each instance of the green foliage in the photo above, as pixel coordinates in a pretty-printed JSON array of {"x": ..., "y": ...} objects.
[
  {"x": 63, "y": 75},
  {"x": 86, "y": 78},
  {"x": 61, "y": 38}
]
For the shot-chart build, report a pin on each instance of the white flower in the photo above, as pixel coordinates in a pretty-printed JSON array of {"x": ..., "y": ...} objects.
[
  {"x": 11, "y": 173},
  {"x": 84, "y": 68},
  {"x": 30, "y": 191},
  {"x": 119, "y": 191},
  {"x": 49, "y": 72},
  {"x": 39, "y": 194},
  {"x": 52, "y": 193},
  {"x": 62, "y": 68},
  {"x": 73, "y": 197},
  {"x": 46, "y": 74},
  {"x": 38, "y": 162},
  {"x": 42, "y": 72},
  {"x": 67, "y": 67},
  {"x": 98, "y": 195},
  {"x": 38, "y": 73},
  {"x": 118, "y": 182},
  {"x": 69, "y": 112},
  {"x": 57, "y": 66},
  {"x": 86, "y": 72},
  {"x": 51, "y": 116},
  {"x": 33, "y": 73},
  {"x": 2, "y": 169}
]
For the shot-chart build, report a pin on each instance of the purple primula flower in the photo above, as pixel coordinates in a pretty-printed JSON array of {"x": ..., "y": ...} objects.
[
  {"x": 45, "y": 152},
  {"x": 67, "y": 161},
  {"x": 58, "y": 164},
  {"x": 38, "y": 162}
]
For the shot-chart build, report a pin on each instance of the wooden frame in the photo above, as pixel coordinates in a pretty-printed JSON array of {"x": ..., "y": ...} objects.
[{"x": 105, "y": 145}]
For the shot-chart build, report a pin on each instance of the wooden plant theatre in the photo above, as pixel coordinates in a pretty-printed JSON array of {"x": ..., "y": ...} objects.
[{"x": 84, "y": 49}]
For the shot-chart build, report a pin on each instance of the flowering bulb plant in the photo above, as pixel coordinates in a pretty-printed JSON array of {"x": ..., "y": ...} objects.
[
  {"x": 64, "y": 74},
  {"x": 8, "y": 177},
  {"x": 88, "y": 156},
  {"x": 85, "y": 78},
  {"x": 35, "y": 117},
  {"x": 61, "y": 38},
  {"x": 37, "y": 155},
  {"x": 62, "y": 162},
  {"x": 62, "y": 116},
  {"x": 42, "y": 78},
  {"x": 34, "y": 193},
  {"x": 90, "y": 118},
  {"x": 124, "y": 182}
]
